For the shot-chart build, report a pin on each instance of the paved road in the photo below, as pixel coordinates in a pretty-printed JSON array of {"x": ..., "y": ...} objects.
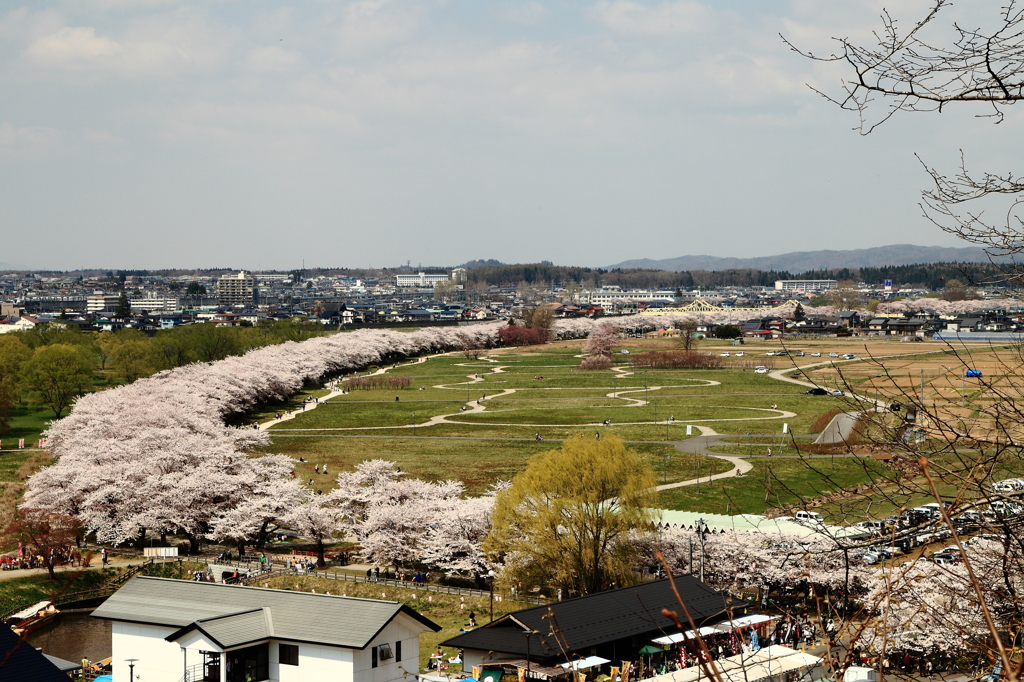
[
  {"x": 96, "y": 564},
  {"x": 699, "y": 446}
]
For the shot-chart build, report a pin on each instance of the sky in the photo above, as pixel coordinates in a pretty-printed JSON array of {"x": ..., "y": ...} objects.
[{"x": 271, "y": 135}]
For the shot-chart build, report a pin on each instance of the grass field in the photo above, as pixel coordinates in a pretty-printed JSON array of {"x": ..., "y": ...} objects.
[{"x": 530, "y": 392}]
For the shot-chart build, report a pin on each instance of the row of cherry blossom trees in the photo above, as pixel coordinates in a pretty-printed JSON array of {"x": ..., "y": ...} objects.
[
  {"x": 156, "y": 454},
  {"x": 399, "y": 520}
]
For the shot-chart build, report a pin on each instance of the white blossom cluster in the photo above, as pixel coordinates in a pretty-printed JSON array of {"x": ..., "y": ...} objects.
[{"x": 156, "y": 454}]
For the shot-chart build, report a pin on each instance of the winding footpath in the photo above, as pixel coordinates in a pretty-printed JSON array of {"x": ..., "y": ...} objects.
[{"x": 837, "y": 431}]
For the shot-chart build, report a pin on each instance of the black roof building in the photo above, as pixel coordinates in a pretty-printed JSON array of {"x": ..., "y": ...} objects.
[
  {"x": 612, "y": 624},
  {"x": 24, "y": 662}
]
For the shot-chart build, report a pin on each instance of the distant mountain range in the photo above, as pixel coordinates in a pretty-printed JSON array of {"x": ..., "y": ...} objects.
[{"x": 802, "y": 261}]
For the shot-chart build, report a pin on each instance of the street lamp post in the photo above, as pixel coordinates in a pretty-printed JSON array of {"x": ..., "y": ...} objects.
[
  {"x": 490, "y": 576},
  {"x": 131, "y": 668},
  {"x": 528, "y": 633}
]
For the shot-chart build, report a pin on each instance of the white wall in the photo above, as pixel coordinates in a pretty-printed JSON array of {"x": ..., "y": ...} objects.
[
  {"x": 315, "y": 663},
  {"x": 158, "y": 659},
  {"x": 403, "y": 628}
]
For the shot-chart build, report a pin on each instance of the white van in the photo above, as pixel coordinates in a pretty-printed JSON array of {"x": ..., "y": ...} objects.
[
  {"x": 1010, "y": 485},
  {"x": 809, "y": 518}
]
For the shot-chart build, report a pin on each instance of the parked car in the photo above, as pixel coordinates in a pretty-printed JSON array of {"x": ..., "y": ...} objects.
[
  {"x": 799, "y": 354},
  {"x": 809, "y": 518},
  {"x": 870, "y": 558},
  {"x": 849, "y": 356},
  {"x": 1009, "y": 485},
  {"x": 760, "y": 369},
  {"x": 815, "y": 355},
  {"x": 833, "y": 355},
  {"x": 817, "y": 390},
  {"x": 724, "y": 355},
  {"x": 740, "y": 354},
  {"x": 836, "y": 392}
]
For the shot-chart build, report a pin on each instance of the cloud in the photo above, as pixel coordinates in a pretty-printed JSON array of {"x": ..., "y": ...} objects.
[
  {"x": 30, "y": 142},
  {"x": 665, "y": 19},
  {"x": 152, "y": 45},
  {"x": 73, "y": 48},
  {"x": 274, "y": 59},
  {"x": 525, "y": 13}
]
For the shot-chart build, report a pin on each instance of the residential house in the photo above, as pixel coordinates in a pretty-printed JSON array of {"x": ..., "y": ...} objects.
[
  {"x": 179, "y": 629},
  {"x": 850, "y": 318}
]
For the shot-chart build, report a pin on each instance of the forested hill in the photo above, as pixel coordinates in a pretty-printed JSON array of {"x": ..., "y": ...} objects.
[
  {"x": 932, "y": 276},
  {"x": 830, "y": 259}
]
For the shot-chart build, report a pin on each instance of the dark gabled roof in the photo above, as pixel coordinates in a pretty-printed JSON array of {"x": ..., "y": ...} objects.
[
  {"x": 233, "y": 612},
  {"x": 595, "y": 619},
  {"x": 25, "y": 662}
]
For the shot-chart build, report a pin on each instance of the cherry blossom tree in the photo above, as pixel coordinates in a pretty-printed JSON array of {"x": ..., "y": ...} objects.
[
  {"x": 156, "y": 454},
  {"x": 316, "y": 518}
]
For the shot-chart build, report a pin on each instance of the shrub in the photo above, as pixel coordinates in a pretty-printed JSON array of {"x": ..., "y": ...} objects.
[
  {"x": 513, "y": 335},
  {"x": 375, "y": 382},
  {"x": 727, "y": 331},
  {"x": 677, "y": 359},
  {"x": 596, "y": 362}
]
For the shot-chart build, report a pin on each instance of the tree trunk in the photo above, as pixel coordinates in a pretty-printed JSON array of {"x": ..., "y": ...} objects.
[
  {"x": 163, "y": 536},
  {"x": 193, "y": 543},
  {"x": 140, "y": 541},
  {"x": 320, "y": 561},
  {"x": 261, "y": 537},
  {"x": 241, "y": 548}
]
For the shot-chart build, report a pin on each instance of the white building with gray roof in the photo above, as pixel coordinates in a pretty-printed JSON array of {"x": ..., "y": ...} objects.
[{"x": 178, "y": 630}]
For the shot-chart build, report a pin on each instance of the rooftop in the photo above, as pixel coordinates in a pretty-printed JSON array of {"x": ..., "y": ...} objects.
[{"x": 234, "y": 614}]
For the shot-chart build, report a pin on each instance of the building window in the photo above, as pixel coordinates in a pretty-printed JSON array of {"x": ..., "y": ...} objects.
[
  {"x": 373, "y": 657},
  {"x": 251, "y": 663},
  {"x": 289, "y": 654},
  {"x": 398, "y": 651}
]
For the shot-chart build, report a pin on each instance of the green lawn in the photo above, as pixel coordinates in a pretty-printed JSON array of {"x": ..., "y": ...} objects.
[{"x": 774, "y": 482}]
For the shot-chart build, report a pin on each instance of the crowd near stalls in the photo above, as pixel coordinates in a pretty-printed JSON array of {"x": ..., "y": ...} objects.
[{"x": 626, "y": 633}]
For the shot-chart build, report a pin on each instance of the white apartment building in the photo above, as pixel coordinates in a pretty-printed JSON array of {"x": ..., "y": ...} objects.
[
  {"x": 101, "y": 302},
  {"x": 611, "y": 296},
  {"x": 154, "y": 303},
  {"x": 420, "y": 280},
  {"x": 805, "y": 285},
  {"x": 236, "y": 289}
]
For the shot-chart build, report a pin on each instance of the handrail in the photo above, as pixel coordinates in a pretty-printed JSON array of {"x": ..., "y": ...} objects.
[
  {"x": 427, "y": 587},
  {"x": 105, "y": 590}
]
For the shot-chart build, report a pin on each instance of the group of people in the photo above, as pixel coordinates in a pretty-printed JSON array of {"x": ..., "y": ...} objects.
[{"x": 68, "y": 556}]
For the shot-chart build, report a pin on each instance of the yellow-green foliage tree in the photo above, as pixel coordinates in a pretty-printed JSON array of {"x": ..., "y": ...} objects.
[
  {"x": 58, "y": 374},
  {"x": 566, "y": 520}
]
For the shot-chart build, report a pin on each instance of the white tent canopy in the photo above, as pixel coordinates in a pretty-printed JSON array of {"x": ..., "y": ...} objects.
[
  {"x": 765, "y": 664},
  {"x": 584, "y": 663},
  {"x": 677, "y": 637},
  {"x": 744, "y": 622}
]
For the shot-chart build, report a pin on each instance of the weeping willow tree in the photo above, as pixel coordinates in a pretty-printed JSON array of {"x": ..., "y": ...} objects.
[{"x": 566, "y": 520}]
